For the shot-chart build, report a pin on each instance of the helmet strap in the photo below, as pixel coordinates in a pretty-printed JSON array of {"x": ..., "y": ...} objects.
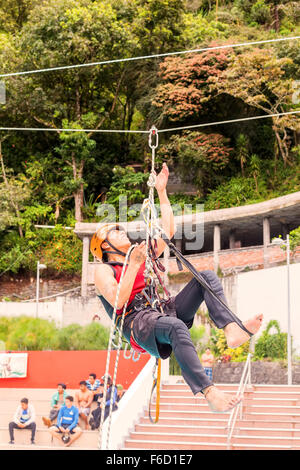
[{"x": 117, "y": 251}]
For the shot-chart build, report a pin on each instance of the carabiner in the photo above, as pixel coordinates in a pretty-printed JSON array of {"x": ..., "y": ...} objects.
[
  {"x": 153, "y": 136},
  {"x": 135, "y": 359},
  {"x": 124, "y": 352}
]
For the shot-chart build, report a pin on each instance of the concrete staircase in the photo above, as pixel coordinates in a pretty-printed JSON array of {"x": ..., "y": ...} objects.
[
  {"x": 270, "y": 421},
  {"x": 40, "y": 398}
]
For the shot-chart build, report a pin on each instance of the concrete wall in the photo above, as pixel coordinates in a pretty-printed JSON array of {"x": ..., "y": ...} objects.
[
  {"x": 63, "y": 311},
  {"x": 47, "y": 310},
  {"x": 265, "y": 291}
]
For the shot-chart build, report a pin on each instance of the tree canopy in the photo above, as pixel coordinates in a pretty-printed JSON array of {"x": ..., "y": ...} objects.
[{"x": 58, "y": 178}]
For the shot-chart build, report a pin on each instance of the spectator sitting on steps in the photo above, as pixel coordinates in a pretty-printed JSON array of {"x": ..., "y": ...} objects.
[
  {"x": 24, "y": 418},
  {"x": 67, "y": 423},
  {"x": 93, "y": 385},
  {"x": 83, "y": 400},
  {"x": 58, "y": 400}
]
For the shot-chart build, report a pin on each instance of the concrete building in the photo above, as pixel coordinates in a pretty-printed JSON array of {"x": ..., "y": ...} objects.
[{"x": 229, "y": 240}]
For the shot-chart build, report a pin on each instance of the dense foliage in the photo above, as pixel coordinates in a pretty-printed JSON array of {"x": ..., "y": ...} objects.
[
  {"x": 271, "y": 344},
  {"x": 57, "y": 178},
  {"x": 34, "y": 334}
]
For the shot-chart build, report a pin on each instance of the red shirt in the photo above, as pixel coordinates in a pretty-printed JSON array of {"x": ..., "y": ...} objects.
[
  {"x": 138, "y": 286},
  {"x": 139, "y": 283}
]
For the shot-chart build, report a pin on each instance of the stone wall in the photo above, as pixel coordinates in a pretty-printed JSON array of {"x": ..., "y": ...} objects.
[{"x": 261, "y": 373}]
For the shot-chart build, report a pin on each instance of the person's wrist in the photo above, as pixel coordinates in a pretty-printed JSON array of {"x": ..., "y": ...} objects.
[
  {"x": 162, "y": 192},
  {"x": 134, "y": 264}
]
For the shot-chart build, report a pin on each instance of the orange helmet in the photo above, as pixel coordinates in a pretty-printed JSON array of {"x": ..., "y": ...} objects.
[{"x": 100, "y": 236}]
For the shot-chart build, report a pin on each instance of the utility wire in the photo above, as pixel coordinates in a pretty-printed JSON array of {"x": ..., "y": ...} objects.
[
  {"x": 145, "y": 57},
  {"x": 216, "y": 123},
  {"x": 52, "y": 129}
]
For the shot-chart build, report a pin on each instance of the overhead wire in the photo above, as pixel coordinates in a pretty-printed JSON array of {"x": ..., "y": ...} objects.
[
  {"x": 146, "y": 57},
  {"x": 173, "y": 129}
]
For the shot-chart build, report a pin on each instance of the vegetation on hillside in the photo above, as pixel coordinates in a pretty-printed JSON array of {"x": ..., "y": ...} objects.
[{"x": 57, "y": 178}]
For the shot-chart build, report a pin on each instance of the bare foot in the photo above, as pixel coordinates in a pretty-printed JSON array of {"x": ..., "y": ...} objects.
[
  {"x": 236, "y": 336},
  {"x": 220, "y": 402}
]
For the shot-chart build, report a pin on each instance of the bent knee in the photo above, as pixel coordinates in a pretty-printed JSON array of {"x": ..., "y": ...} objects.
[{"x": 209, "y": 273}]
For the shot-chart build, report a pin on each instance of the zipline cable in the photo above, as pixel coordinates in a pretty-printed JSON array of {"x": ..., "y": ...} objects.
[
  {"x": 146, "y": 57},
  {"x": 173, "y": 129}
]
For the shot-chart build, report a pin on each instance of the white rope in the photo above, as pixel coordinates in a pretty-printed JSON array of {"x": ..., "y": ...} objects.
[
  {"x": 216, "y": 123},
  {"x": 195, "y": 126},
  {"x": 145, "y": 57},
  {"x": 51, "y": 129},
  {"x": 112, "y": 329}
]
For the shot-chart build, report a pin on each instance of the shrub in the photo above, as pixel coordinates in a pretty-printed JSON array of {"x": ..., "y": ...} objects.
[
  {"x": 35, "y": 334},
  {"x": 226, "y": 354},
  {"x": 32, "y": 334},
  {"x": 78, "y": 338},
  {"x": 273, "y": 346}
]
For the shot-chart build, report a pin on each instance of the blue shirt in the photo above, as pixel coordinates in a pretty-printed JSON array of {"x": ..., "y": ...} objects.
[
  {"x": 108, "y": 396},
  {"x": 95, "y": 385},
  {"x": 68, "y": 416},
  {"x": 24, "y": 416}
]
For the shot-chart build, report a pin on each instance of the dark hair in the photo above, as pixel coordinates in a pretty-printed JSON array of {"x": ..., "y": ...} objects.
[
  {"x": 82, "y": 382},
  {"x": 24, "y": 400},
  {"x": 62, "y": 385},
  {"x": 92, "y": 375},
  {"x": 69, "y": 397}
]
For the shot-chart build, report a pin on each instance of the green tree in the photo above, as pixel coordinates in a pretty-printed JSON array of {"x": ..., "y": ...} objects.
[
  {"x": 75, "y": 149},
  {"x": 207, "y": 154},
  {"x": 183, "y": 93},
  {"x": 271, "y": 345},
  {"x": 258, "y": 78},
  {"x": 242, "y": 146},
  {"x": 62, "y": 32},
  {"x": 14, "y": 13}
]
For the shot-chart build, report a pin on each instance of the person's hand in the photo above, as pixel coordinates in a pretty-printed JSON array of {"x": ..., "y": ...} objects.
[
  {"x": 61, "y": 429},
  {"x": 161, "y": 179},
  {"x": 138, "y": 254},
  {"x": 21, "y": 425}
]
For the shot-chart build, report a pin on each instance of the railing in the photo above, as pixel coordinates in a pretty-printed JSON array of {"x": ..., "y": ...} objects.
[{"x": 245, "y": 379}]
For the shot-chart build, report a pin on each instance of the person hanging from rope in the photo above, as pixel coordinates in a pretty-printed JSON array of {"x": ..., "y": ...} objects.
[{"x": 159, "y": 331}]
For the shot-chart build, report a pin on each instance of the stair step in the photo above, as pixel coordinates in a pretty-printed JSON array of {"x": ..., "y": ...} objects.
[
  {"x": 248, "y": 400},
  {"x": 88, "y": 439},
  {"x": 271, "y": 416},
  {"x": 39, "y": 447},
  {"x": 160, "y": 428},
  {"x": 169, "y": 445},
  {"x": 186, "y": 437},
  {"x": 191, "y": 421},
  {"x": 281, "y": 432}
]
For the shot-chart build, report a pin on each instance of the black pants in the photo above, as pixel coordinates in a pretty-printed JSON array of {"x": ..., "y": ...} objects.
[
  {"x": 12, "y": 425},
  {"x": 174, "y": 331}
]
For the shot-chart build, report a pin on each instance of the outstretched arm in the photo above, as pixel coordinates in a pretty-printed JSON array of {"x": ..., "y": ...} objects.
[{"x": 167, "y": 216}]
